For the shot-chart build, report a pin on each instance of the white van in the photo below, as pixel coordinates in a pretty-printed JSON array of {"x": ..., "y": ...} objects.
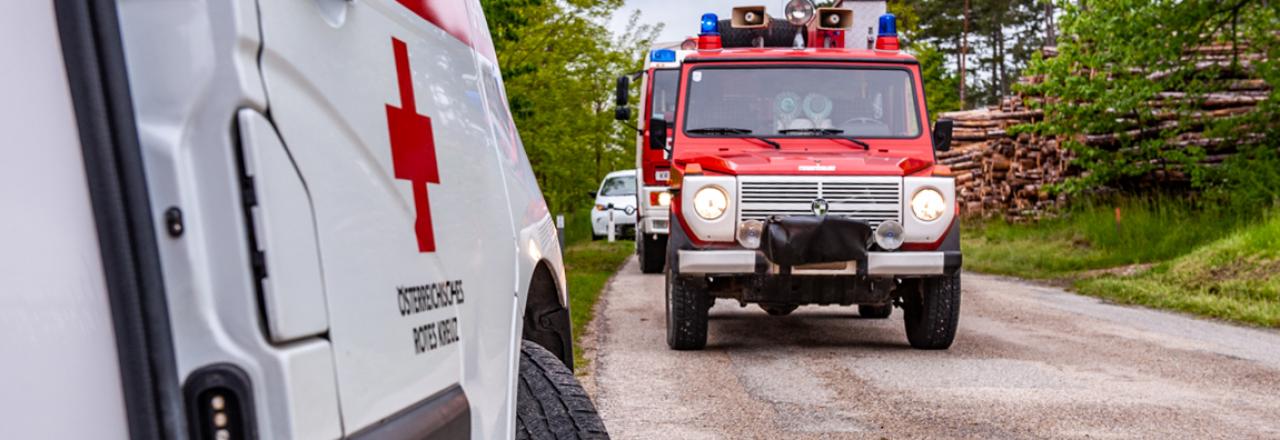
[{"x": 230, "y": 219}]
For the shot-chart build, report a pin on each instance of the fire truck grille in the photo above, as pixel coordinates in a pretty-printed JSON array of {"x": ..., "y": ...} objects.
[{"x": 872, "y": 198}]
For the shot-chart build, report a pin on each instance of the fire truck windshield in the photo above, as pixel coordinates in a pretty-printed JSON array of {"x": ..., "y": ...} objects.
[
  {"x": 809, "y": 101},
  {"x": 665, "y": 82}
]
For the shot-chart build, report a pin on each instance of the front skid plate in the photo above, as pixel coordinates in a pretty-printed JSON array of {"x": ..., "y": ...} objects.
[{"x": 783, "y": 289}]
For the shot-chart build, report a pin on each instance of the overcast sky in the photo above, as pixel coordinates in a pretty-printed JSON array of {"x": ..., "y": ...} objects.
[{"x": 681, "y": 16}]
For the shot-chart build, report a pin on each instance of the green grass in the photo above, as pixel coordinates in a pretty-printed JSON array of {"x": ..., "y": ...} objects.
[
  {"x": 577, "y": 226},
  {"x": 1212, "y": 262},
  {"x": 589, "y": 265},
  {"x": 1088, "y": 237},
  {"x": 1235, "y": 278}
]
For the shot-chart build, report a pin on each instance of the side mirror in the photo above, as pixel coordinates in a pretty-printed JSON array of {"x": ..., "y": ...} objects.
[
  {"x": 593, "y": 194},
  {"x": 942, "y": 134},
  {"x": 623, "y": 93},
  {"x": 657, "y": 134}
]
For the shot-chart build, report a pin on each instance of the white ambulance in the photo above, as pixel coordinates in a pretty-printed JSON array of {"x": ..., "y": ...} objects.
[{"x": 229, "y": 219}]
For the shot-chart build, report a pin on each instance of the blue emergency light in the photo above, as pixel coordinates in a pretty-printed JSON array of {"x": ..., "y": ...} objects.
[
  {"x": 888, "y": 26},
  {"x": 662, "y": 56},
  {"x": 888, "y": 37},
  {"x": 710, "y": 24}
]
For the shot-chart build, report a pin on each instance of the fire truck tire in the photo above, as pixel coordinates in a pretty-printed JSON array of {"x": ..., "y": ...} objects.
[
  {"x": 871, "y": 311},
  {"x": 653, "y": 253},
  {"x": 550, "y": 403},
  {"x": 687, "y": 306},
  {"x": 931, "y": 310},
  {"x": 779, "y": 309},
  {"x": 780, "y": 34}
]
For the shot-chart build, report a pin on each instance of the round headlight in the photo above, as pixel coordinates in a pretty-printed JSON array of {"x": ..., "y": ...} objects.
[
  {"x": 750, "y": 233},
  {"x": 664, "y": 198},
  {"x": 889, "y": 235},
  {"x": 928, "y": 204},
  {"x": 710, "y": 202}
]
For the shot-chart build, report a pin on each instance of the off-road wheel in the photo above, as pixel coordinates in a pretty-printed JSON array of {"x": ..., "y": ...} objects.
[
  {"x": 931, "y": 310},
  {"x": 871, "y": 311},
  {"x": 687, "y": 306},
  {"x": 779, "y": 309},
  {"x": 652, "y": 252},
  {"x": 550, "y": 403}
]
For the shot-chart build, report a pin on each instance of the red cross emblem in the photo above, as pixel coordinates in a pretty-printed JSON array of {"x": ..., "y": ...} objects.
[{"x": 413, "y": 148}]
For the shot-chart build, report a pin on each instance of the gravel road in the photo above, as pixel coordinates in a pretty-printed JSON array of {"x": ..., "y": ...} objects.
[{"x": 1029, "y": 362}]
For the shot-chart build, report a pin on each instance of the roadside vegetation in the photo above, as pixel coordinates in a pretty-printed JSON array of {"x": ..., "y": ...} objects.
[
  {"x": 559, "y": 62},
  {"x": 1167, "y": 255},
  {"x": 1093, "y": 235},
  {"x": 1206, "y": 242},
  {"x": 588, "y": 265}
]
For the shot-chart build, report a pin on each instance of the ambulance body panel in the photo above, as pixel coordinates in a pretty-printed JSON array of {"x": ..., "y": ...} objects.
[{"x": 347, "y": 228}]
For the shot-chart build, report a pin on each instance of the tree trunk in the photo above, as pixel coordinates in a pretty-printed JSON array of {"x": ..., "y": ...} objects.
[
  {"x": 964, "y": 53},
  {"x": 1050, "y": 28},
  {"x": 1003, "y": 86}
]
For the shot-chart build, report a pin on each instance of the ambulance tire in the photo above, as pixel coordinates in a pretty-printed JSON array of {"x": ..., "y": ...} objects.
[
  {"x": 652, "y": 252},
  {"x": 931, "y": 311},
  {"x": 550, "y": 403},
  {"x": 687, "y": 306},
  {"x": 871, "y": 311},
  {"x": 780, "y": 34}
]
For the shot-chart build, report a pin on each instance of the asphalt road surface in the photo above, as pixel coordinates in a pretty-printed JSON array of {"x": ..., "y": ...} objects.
[{"x": 1029, "y": 362}]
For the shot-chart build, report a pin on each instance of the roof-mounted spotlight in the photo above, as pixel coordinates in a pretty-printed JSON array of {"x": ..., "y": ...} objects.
[{"x": 800, "y": 12}]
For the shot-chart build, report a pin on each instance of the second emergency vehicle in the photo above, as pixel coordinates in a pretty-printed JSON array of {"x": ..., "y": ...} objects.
[{"x": 658, "y": 90}]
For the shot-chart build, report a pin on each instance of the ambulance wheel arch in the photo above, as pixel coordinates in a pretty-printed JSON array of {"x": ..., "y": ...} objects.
[{"x": 546, "y": 319}]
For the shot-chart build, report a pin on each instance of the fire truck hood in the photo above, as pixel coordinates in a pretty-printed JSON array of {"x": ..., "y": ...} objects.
[{"x": 854, "y": 162}]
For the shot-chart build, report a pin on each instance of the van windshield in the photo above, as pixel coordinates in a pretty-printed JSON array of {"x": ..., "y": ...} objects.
[
  {"x": 802, "y": 101},
  {"x": 619, "y": 186}
]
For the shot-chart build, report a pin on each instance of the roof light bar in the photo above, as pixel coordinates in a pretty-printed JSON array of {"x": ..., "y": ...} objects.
[{"x": 662, "y": 56}]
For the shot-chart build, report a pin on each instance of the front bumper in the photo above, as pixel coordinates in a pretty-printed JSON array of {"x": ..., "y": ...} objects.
[
  {"x": 621, "y": 222},
  {"x": 656, "y": 221},
  {"x": 750, "y": 262}
]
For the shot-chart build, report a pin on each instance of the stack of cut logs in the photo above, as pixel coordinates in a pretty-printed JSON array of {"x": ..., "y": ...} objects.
[{"x": 1003, "y": 175}]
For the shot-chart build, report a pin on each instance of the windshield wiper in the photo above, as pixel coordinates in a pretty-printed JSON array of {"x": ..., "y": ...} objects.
[
  {"x": 828, "y": 133},
  {"x": 731, "y": 130},
  {"x": 719, "y": 130}
]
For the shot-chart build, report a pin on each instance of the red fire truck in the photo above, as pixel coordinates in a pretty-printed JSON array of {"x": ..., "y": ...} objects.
[
  {"x": 658, "y": 82},
  {"x": 803, "y": 172}
]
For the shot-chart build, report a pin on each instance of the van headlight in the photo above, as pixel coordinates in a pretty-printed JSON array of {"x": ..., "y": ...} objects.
[
  {"x": 710, "y": 202},
  {"x": 928, "y": 205}
]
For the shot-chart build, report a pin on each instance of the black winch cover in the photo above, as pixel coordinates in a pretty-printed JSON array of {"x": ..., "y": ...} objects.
[{"x": 797, "y": 240}]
